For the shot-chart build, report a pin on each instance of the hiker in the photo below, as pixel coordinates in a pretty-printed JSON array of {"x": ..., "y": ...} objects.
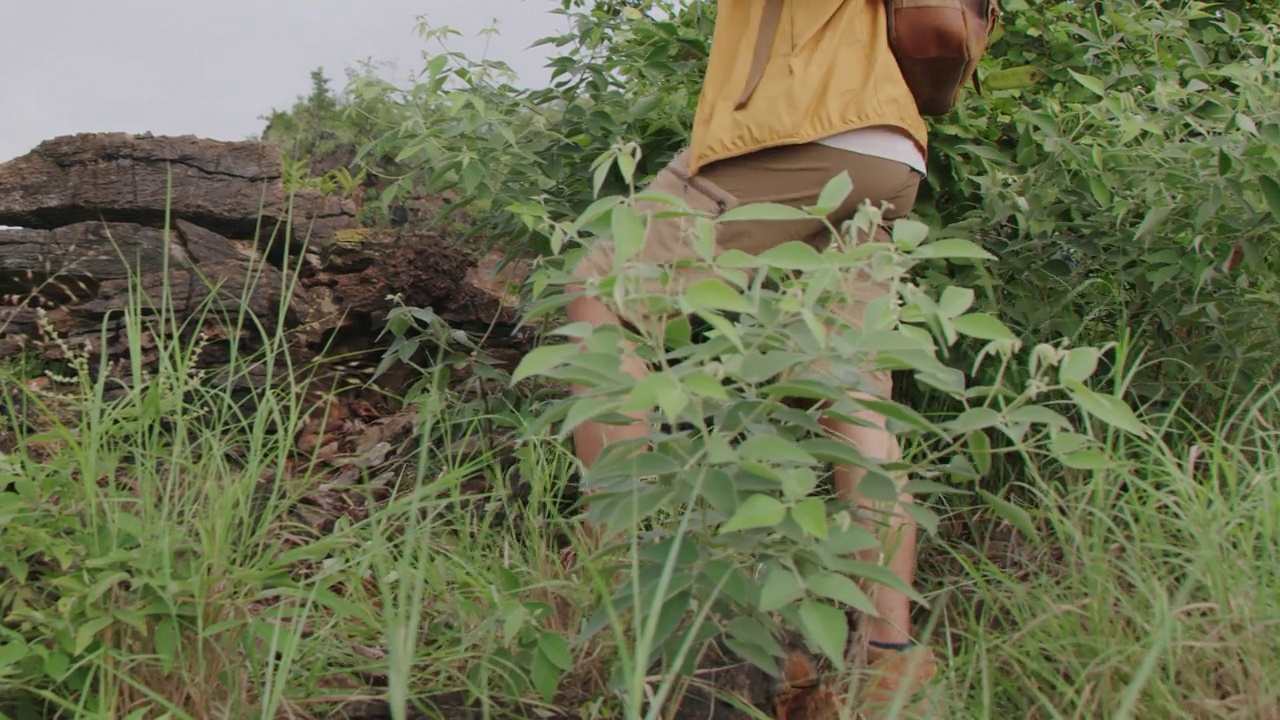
[{"x": 796, "y": 92}]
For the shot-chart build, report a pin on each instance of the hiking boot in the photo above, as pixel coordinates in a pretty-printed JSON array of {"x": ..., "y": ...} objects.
[
  {"x": 907, "y": 673},
  {"x": 804, "y": 695}
]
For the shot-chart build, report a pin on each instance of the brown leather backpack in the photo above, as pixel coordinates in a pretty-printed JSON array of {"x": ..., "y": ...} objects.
[{"x": 938, "y": 44}]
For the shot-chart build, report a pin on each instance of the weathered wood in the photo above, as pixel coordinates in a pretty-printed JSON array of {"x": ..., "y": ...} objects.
[
  {"x": 233, "y": 188},
  {"x": 225, "y": 186},
  {"x": 92, "y": 211},
  {"x": 82, "y": 277}
]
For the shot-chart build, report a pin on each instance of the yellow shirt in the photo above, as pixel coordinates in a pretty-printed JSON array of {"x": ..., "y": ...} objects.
[{"x": 829, "y": 70}]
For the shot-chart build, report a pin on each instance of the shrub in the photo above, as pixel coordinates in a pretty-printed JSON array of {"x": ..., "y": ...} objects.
[{"x": 722, "y": 505}]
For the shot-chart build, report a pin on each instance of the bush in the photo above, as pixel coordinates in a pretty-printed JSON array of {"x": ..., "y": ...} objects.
[
  {"x": 1122, "y": 165},
  {"x": 718, "y": 506}
]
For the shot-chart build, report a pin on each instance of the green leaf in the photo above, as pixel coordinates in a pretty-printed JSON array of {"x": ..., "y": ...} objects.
[
  {"x": 645, "y": 464},
  {"x": 627, "y": 166},
  {"x": 586, "y": 408},
  {"x": 657, "y": 389},
  {"x": 835, "y": 451},
  {"x": 1154, "y": 219},
  {"x": 704, "y": 385},
  {"x": 980, "y": 450},
  {"x": 601, "y": 172},
  {"x": 543, "y": 358},
  {"x": 760, "y": 366},
  {"x": 1225, "y": 164},
  {"x": 833, "y": 194},
  {"x": 715, "y": 294},
  {"x": 1087, "y": 460},
  {"x": 1271, "y": 193},
  {"x": 1078, "y": 365},
  {"x": 1091, "y": 83},
  {"x": 1209, "y": 208},
  {"x": 11, "y": 654},
  {"x": 743, "y": 645},
  {"x": 1014, "y": 515},
  {"x": 629, "y": 510},
  {"x": 761, "y": 648},
  {"x": 925, "y": 518},
  {"x": 908, "y": 234},
  {"x": 792, "y": 255},
  {"x": 974, "y": 419},
  {"x": 1099, "y": 190},
  {"x": 952, "y": 248},
  {"x": 811, "y": 515},
  {"x": 545, "y": 676},
  {"x": 899, "y": 412},
  {"x": 773, "y": 448},
  {"x": 1063, "y": 443},
  {"x": 1037, "y": 415},
  {"x": 628, "y": 230},
  {"x": 719, "y": 452},
  {"x": 678, "y": 332},
  {"x": 756, "y": 511},
  {"x": 765, "y": 211},
  {"x": 982, "y": 326},
  {"x": 803, "y": 390},
  {"x": 88, "y": 631},
  {"x": 882, "y": 575},
  {"x": 849, "y": 540},
  {"x": 1014, "y": 78},
  {"x": 167, "y": 638},
  {"x": 825, "y": 627},
  {"x": 835, "y": 586},
  {"x": 954, "y": 301},
  {"x": 1107, "y": 408},
  {"x": 780, "y": 588},
  {"x": 556, "y": 649}
]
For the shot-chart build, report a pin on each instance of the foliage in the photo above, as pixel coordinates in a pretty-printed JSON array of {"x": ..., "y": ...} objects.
[
  {"x": 1133, "y": 186},
  {"x": 155, "y": 562},
  {"x": 1123, "y": 610},
  {"x": 515, "y": 158},
  {"x": 1121, "y": 171},
  {"x": 724, "y": 493},
  {"x": 319, "y": 136},
  {"x": 1123, "y": 163}
]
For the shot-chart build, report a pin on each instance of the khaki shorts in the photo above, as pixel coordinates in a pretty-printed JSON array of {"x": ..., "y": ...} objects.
[{"x": 790, "y": 175}]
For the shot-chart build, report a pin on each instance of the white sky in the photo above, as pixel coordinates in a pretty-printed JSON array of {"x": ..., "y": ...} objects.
[{"x": 212, "y": 67}]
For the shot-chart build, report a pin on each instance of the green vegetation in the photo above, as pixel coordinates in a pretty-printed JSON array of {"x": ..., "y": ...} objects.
[{"x": 1083, "y": 337}]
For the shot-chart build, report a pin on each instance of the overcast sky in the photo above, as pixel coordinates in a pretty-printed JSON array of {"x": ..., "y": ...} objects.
[{"x": 212, "y": 67}]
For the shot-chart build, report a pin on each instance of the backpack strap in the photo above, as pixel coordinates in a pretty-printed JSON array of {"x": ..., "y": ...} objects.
[{"x": 770, "y": 18}]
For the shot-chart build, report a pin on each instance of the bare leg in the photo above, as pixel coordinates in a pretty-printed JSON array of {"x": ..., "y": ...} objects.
[
  {"x": 893, "y": 625},
  {"x": 590, "y": 438}
]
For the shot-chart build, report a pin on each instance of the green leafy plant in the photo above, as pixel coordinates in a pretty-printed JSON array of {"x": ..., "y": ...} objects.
[
  {"x": 1132, "y": 184},
  {"x": 723, "y": 504}
]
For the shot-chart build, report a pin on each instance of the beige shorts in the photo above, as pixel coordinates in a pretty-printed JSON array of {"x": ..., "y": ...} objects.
[{"x": 792, "y": 175}]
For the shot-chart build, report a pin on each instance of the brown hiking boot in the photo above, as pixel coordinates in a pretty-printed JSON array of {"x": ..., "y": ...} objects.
[
  {"x": 805, "y": 696},
  {"x": 906, "y": 673}
]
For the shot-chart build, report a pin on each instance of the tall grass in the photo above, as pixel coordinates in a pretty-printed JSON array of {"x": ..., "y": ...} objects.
[
  {"x": 153, "y": 563},
  {"x": 1151, "y": 592}
]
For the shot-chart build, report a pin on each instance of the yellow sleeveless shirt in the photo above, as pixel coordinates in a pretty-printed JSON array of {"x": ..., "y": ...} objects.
[{"x": 827, "y": 69}]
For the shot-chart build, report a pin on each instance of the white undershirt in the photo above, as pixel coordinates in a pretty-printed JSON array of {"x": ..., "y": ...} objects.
[{"x": 879, "y": 141}]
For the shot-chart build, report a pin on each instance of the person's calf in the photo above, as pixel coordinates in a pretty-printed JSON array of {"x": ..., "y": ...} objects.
[
  {"x": 891, "y": 628},
  {"x": 590, "y": 438}
]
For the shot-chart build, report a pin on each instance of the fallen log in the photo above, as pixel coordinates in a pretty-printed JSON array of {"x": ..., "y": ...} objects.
[{"x": 113, "y": 223}]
